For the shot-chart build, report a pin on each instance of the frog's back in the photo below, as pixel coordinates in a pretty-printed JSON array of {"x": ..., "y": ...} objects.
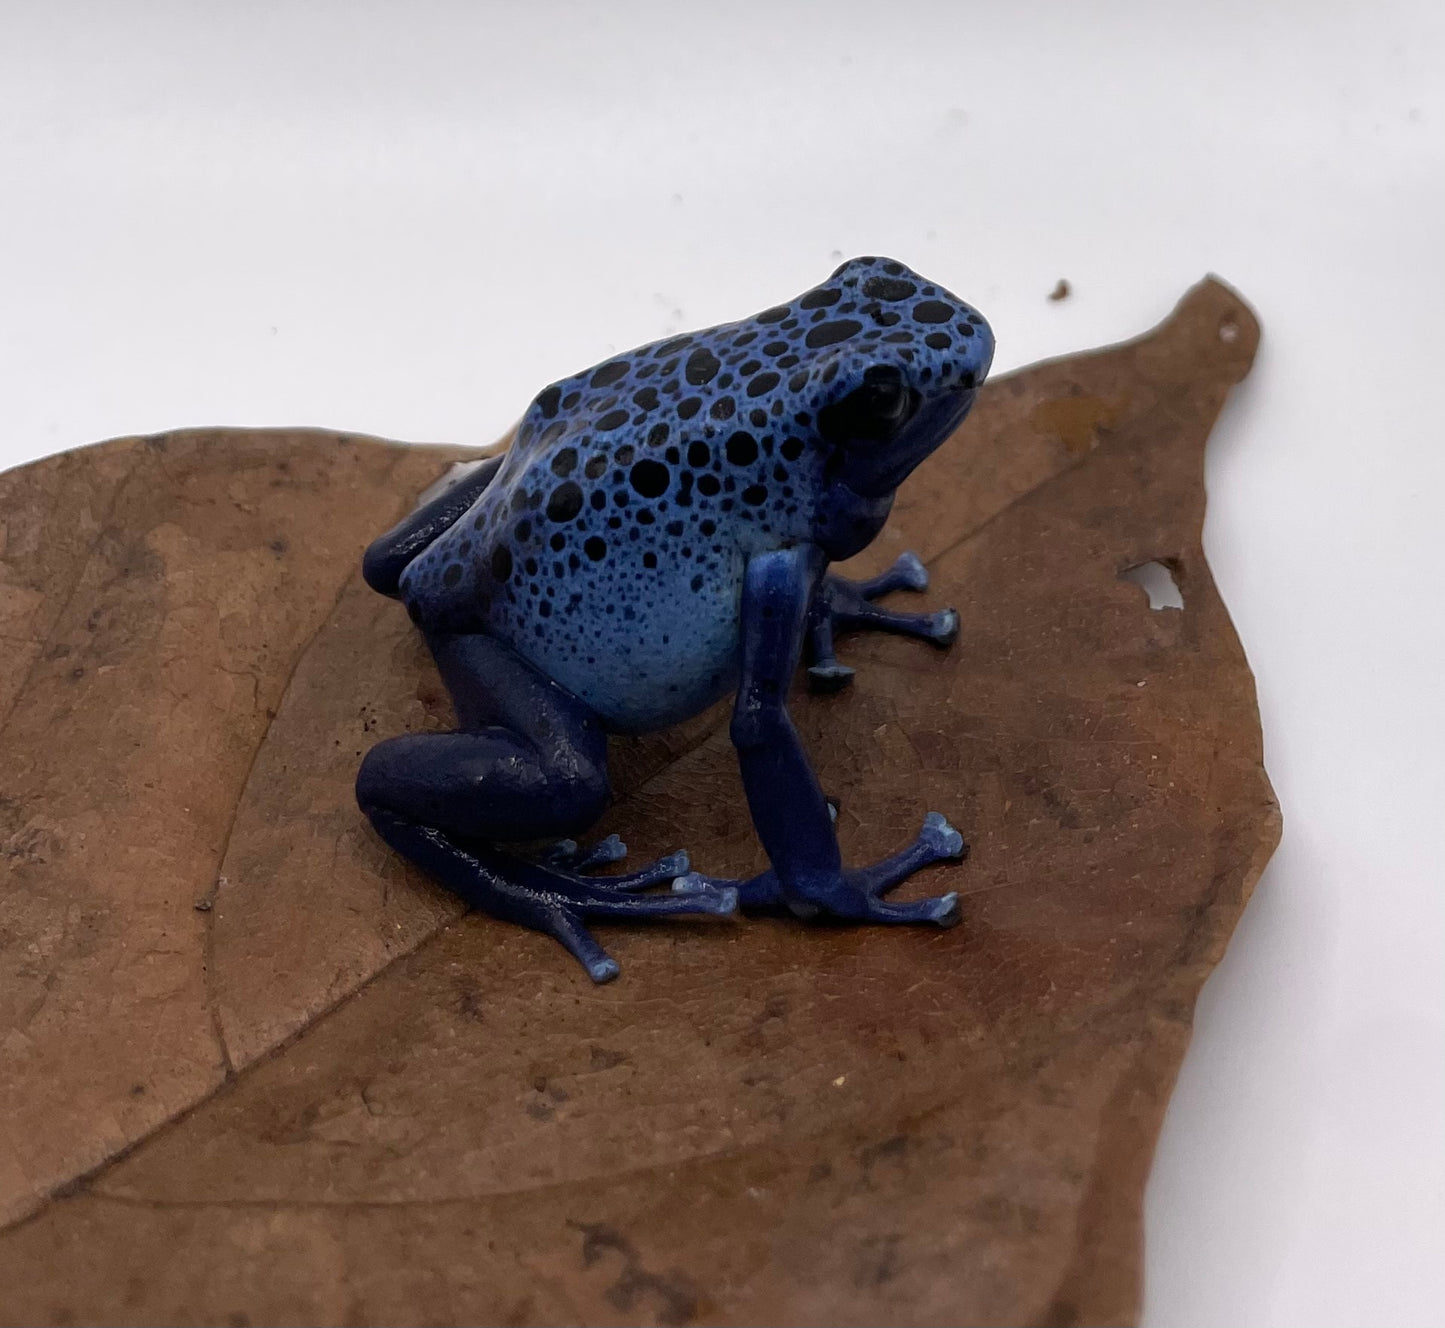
[{"x": 610, "y": 547}]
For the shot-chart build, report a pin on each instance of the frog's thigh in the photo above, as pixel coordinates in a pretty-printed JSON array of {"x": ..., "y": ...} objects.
[{"x": 528, "y": 761}]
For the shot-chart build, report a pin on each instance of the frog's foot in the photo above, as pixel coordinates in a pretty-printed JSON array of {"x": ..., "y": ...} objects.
[
  {"x": 848, "y": 605},
  {"x": 938, "y": 841},
  {"x": 858, "y": 896},
  {"x": 549, "y": 898}
]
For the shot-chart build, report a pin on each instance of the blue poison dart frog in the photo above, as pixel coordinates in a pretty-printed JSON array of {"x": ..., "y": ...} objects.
[{"x": 658, "y": 536}]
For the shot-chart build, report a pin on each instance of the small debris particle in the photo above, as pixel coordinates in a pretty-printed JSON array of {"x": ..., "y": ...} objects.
[
  {"x": 840, "y": 1081},
  {"x": 203, "y": 906},
  {"x": 1061, "y": 291}
]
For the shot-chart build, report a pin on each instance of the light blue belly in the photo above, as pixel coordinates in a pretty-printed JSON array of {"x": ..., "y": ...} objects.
[{"x": 655, "y": 660}]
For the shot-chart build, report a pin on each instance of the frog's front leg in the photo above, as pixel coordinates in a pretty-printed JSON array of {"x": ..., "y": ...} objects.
[
  {"x": 788, "y": 808},
  {"x": 529, "y": 761},
  {"x": 841, "y": 603}
]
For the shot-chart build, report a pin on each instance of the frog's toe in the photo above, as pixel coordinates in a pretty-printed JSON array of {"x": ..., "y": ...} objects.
[
  {"x": 944, "y": 628},
  {"x": 756, "y": 894},
  {"x": 940, "y": 628},
  {"x": 611, "y": 849},
  {"x": 655, "y": 873},
  {"x": 829, "y": 676},
  {"x": 721, "y": 900},
  {"x": 909, "y": 573},
  {"x": 941, "y": 910},
  {"x": 563, "y": 922},
  {"x": 857, "y": 898},
  {"x": 562, "y": 854},
  {"x": 941, "y": 838},
  {"x": 568, "y": 856},
  {"x": 596, "y": 901},
  {"x": 603, "y": 970}
]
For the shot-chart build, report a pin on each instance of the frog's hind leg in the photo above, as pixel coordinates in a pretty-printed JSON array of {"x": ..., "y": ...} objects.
[
  {"x": 545, "y": 899},
  {"x": 388, "y": 556},
  {"x": 528, "y": 762},
  {"x": 848, "y": 605}
]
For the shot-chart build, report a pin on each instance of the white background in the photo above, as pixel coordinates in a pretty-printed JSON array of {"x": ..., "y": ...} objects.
[{"x": 405, "y": 218}]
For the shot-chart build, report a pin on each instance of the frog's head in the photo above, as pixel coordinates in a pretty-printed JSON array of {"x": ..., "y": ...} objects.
[{"x": 902, "y": 370}]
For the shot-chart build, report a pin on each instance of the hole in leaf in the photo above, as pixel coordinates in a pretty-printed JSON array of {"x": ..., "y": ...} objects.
[
  {"x": 1228, "y": 331},
  {"x": 1157, "y": 581}
]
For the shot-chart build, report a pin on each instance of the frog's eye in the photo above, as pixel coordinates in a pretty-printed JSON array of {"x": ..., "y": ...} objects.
[
  {"x": 873, "y": 411},
  {"x": 887, "y": 394}
]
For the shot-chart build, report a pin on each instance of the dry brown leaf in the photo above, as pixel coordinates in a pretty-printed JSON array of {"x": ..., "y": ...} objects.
[{"x": 256, "y": 1070}]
